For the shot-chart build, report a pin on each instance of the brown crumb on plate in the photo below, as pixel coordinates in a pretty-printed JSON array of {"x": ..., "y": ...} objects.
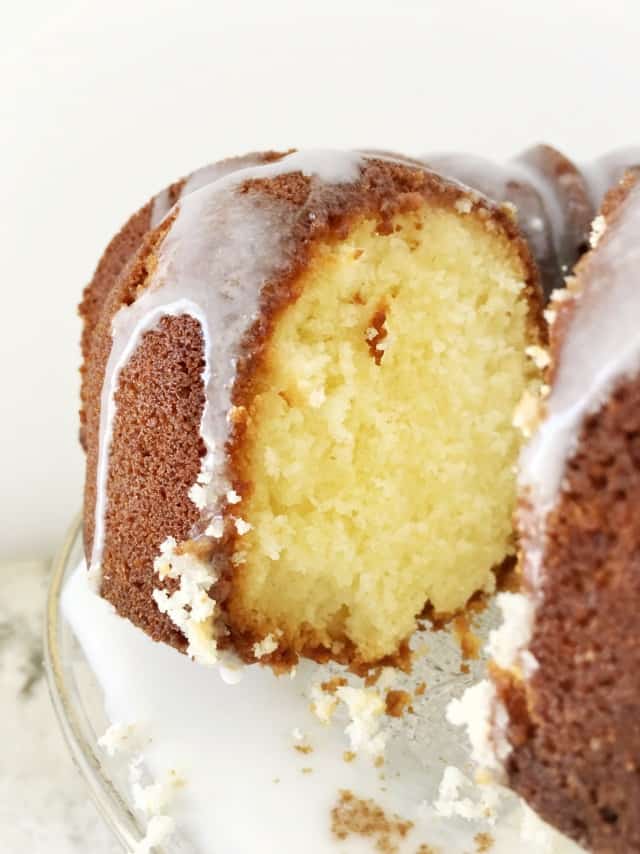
[
  {"x": 303, "y": 748},
  {"x": 396, "y": 703},
  {"x": 332, "y": 685},
  {"x": 469, "y": 642},
  {"x": 484, "y": 841},
  {"x": 354, "y": 816}
]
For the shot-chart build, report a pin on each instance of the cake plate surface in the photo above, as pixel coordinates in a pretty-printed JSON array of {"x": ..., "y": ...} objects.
[{"x": 253, "y": 731}]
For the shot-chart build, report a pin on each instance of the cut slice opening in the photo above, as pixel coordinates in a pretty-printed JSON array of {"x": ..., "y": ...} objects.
[{"x": 380, "y": 444}]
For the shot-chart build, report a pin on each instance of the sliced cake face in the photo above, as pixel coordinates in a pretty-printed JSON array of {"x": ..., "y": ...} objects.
[
  {"x": 299, "y": 396},
  {"x": 378, "y": 456},
  {"x": 569, "y": 682}
]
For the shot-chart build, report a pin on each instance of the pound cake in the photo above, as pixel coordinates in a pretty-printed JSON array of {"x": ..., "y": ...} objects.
[
  {"x": 300, "y": 375},
  {"x": 564, "y": 703}
]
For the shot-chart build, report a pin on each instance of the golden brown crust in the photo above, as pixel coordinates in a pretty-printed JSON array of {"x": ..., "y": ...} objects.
[
  {"x": 164, "y": 462},
  {"x": 155, "y": 459},
  {"x": 574, "y": 725}
]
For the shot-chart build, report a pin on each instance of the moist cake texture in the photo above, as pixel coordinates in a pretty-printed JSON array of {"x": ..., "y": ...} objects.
[{"x": 298, "y": 396}]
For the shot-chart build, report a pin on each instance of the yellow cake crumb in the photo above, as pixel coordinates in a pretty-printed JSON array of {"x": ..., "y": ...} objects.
[{"x": 380, "y": 443}]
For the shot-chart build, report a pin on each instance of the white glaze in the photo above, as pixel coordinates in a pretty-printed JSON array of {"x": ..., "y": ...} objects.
[
  {"x": 212, "y": 265},
  {"x": 606, "y": 171},
  {"x": 601, "y": 346},
  {"x": 539, "y": 211},
  {"x": 200, "y": 178},
  {"x": 508, "y": 642}
]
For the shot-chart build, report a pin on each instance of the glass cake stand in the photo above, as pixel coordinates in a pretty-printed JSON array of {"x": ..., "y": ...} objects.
[{"x": 77, "y": 700}]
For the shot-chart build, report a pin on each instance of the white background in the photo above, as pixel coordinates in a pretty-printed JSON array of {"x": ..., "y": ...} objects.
[{"x": 102, "y": 104}]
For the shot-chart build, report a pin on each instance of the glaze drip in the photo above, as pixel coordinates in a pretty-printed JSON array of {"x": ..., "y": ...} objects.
[{"x": 221, "y": 250}]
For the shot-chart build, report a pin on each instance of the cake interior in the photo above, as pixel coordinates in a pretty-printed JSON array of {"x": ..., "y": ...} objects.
[{"x": 380, "y": 445}]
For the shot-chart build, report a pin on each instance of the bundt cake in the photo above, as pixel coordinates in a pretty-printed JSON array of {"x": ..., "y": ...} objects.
[
  {"x": 300, "y": 374},
  {"x": 564, "y": 703}
]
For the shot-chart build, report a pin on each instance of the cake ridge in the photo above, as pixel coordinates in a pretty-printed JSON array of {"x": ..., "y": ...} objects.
[{"x": 234, "y": 319}]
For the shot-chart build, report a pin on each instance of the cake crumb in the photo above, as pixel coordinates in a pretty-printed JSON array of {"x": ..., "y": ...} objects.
[
  {"x": 463, "y": 206},
  {"x": 528, "y": 414},
  {"x": 598, "y": 228},
  {"x": 478, "y": 803},
  {"x": 483, "y": 841},
  {"x": 117, "y": 738},
  {"x": 323, "y": 705},
  {"x": 539, "y": 356},
  {"x": 332, "y": 685},
  {"x": 303, "y": 748},
  {"x": 153, "y": 798},
  {"x": 198, "y": 496},
  {"x": 238, "y": 558},
  {"x": 565, "y": 294},
  {"x": 348, "y": 756},
  {"x": 266, "y": 646},
  {"x": 376, "y": 333},
  {"x": 242, "y": 527},
  {"x": 307, "y": 770},
  {"x": 159, "y": 829},
  {"x": 215, "y": 528},
  {"x": 426, "y": 849},
  {"x": 354, "y": 816},
  {"x": 469, "y": 642},
  {"x": 420, "y": 689},
  {"x": 365, "y": 708},
  {"x": 190, "y": 607},
  {"x": 396, "y": 702},
  {"x": 512, "y": 212}
]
